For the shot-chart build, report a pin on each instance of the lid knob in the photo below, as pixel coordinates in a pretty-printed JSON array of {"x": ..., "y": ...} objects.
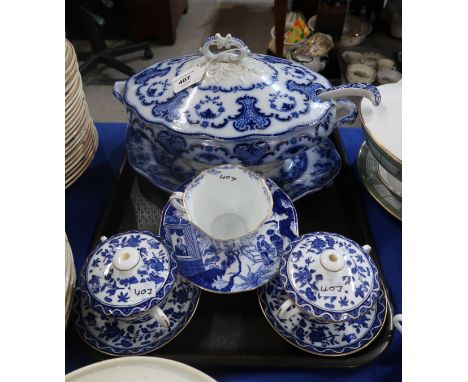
[
  {"x": 126, "y": 259},
  {"x": 332, "y": 261}
]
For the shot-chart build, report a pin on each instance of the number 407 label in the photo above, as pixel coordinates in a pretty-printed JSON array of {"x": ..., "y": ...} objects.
[
  {"x": 187, "y": 78},
  {"x": 143, "y": 290}
]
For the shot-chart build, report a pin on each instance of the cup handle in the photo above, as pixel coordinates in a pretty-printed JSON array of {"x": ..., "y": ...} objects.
[
  {"x": 175, "y": 200},
  {"x": 397, "y": 320},
  {"x": 160, "y": 317},
  {"x": 287, "y": 310}
]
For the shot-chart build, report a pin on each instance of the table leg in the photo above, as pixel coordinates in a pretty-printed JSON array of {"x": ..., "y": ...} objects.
[{"x": 280, "y": 18}]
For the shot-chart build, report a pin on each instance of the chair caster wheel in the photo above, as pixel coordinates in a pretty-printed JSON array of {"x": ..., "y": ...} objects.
[{"x": 148, "y": 53}]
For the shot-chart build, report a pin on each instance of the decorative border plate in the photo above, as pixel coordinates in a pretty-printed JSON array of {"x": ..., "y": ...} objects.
[
  {"x": 326, "y": 339},
  {"x": 118, "y": 337},
  {"x": 368, "y": 168},
  {"x": 298, "y": 176}
]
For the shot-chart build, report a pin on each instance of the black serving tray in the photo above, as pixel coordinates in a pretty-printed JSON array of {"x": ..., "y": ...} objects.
[{"x": 231, "y": 329}]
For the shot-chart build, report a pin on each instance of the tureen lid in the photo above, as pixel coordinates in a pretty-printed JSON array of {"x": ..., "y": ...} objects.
[
  {"x": 128, "y": 273},
  {"x": 329, "y": 276},
  {"x": 240, "y": 94}
]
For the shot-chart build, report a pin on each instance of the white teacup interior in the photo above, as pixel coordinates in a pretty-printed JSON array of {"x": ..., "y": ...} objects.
[{"x": 228, "y": 202}]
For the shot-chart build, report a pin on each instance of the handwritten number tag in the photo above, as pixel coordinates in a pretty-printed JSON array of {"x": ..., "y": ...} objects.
[
  {"x": 187, "y": 78},
  {"x": 143, "y": 290}
]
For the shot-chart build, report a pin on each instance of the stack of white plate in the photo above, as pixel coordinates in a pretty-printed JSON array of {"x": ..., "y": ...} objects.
[
  {"x": 380, "y": 158},
  {"x": 70, "y": 278},
  {"x": 81, "y": 137}
]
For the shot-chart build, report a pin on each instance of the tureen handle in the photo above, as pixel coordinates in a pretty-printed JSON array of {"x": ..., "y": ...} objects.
[
  {"x": 351, "y": 111},
  {"x": 236, "y": 54},
  {"x": 349, "y": 90},
  {"x": 119, "y": 90}
]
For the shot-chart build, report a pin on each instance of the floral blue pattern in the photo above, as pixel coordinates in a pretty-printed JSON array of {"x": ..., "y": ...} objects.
[
  {"x": 135, "y": 337},
  {"x": 308, "y": 172},
  {"x": 250, "y": 117},
  {"x": 229, "y": 101},
  {"x": 318, "y": 337},
  {"x": 329, "y": 296},
  {"x": 214, "y": 269},
  {"x": 247, "y": 109},
  {"x": 159, "y": 160},
  {"x": 111, "y": 292}
]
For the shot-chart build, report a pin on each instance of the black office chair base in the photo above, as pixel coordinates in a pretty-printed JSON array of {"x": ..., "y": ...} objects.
[{"x": 107, "y": 56}]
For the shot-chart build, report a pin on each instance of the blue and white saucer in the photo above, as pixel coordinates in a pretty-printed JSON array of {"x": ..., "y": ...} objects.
[
  {"x": 301, "y": 175},
  {"x": 237, "y": 270},
  {"x": 308, "y": 172},
  {"x": 328, "y": 339},
  {"x": 119, "y": 337}
]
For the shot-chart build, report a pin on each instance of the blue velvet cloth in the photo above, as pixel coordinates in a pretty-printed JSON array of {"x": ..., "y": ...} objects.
[{"x": 86, "y": 199}]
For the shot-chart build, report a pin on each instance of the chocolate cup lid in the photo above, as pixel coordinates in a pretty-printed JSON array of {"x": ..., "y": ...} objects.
[
  {"x": 128, "y": 274},
  {"x": 329, "y": 276}
]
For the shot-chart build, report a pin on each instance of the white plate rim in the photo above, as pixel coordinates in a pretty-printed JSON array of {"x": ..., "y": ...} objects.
[{"x": 136, "y": 361}]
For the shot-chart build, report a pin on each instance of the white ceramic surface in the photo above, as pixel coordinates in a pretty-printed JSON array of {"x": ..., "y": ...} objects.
[
  {"x": 384, "y": 121},
  {"x": 226, "y": 202},
  {"x": 138, "y": 369}
]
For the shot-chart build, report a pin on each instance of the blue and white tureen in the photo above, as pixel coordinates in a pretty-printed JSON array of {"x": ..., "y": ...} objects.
[{"x": 244, "y": 108}]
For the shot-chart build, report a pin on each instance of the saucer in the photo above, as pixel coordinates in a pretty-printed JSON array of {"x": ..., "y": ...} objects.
[
  {"x": 298, "y": 176},
  {"x": 237, "y": 270},
  {"x": 327, "y": 339},
  {"x": 308, "y": 172},
  {"x": 368, "y": 169},
  {"x": 117, "y": 337}
]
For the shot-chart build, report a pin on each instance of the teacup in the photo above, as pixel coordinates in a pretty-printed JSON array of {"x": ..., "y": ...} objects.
[
  {"x": 328, "y": 277},
  {"x": 227, "y": 203},
  {"x": 129, "y": 276}
]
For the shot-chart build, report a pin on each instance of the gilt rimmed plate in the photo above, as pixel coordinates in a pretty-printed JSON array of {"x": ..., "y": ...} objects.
[
  {"x": 326, "y": 339},
  {"x": 243, "y": 269},
  {"x": 368, "y": 168},
  {"x": 138, "y": 369}
]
